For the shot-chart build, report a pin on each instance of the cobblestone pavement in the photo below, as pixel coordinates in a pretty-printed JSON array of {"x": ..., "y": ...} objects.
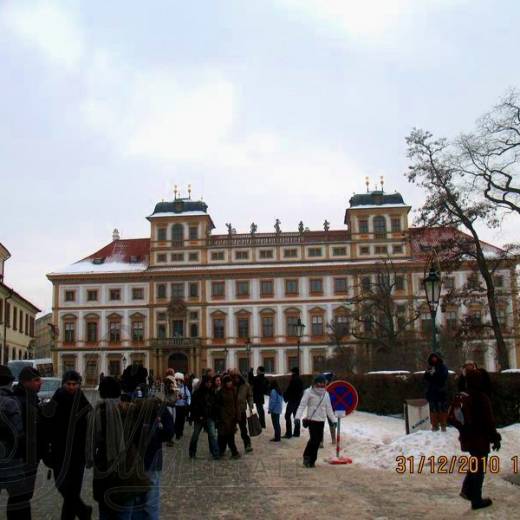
[{"x": 271, "y": 483}]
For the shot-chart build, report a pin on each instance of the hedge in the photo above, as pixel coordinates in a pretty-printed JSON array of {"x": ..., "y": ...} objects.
[{"x": 385, "y": 394}]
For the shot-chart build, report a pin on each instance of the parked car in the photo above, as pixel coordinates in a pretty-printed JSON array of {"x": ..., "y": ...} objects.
[{"x": 49, "y": 386}]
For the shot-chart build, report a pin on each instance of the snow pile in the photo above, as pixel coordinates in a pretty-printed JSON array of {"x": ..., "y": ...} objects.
[
  {"x": 87, "y": 266},
  {"x": 511, "y": 371}
]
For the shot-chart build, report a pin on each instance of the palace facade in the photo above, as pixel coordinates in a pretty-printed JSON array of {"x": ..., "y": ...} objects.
[{"x": 188, "y": 299}]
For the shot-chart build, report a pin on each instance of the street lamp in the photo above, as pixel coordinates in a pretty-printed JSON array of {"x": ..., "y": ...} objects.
[
  {"x": 299, "y": 333},
  {"x": 124, "y": 362},
  {"x": 248, "y": 350},
  {"x": 432, "y": 287}
]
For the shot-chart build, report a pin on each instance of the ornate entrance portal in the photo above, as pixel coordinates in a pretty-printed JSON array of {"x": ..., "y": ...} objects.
[{"x": 179, "y": 362}]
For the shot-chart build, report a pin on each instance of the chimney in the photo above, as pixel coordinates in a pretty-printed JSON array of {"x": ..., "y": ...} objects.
[{"x": 115, "y": 235}]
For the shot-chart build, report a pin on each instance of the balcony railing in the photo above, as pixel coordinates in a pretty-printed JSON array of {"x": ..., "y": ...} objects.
[{"x": 180, "y": 342}]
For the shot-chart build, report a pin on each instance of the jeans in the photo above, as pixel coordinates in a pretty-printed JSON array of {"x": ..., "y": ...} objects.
[
  {"x": 198, "y": 426},
  {"x": 275, "y": 418},
  {"x": 292, "y": 408},
  {"x": 242, "y": 424},
  {"x": 147, "y": 506},
  {"x": 316, "y": 435}
]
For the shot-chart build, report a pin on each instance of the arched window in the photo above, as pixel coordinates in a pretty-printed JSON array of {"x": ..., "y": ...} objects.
[
  {"x": 177, "y": 234},
  {"x": 380, "y": 227}
]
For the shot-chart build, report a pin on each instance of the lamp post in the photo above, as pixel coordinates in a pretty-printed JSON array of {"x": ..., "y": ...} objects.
[
  {"x": 248, "y": 350},
  {"x": 432, "y": 287},
  {"x": 299, "y": 333},
  {"x": 124, "y": 362}
]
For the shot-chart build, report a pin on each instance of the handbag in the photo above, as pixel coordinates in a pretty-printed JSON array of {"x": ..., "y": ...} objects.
[
  {"x": 307, "y": 420},
  {"x": 253, "y": 424}
]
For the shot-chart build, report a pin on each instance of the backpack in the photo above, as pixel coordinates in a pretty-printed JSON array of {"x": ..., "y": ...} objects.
[
  {"x": 11, "y": 426},
  {"x": 459, "y": 412}
]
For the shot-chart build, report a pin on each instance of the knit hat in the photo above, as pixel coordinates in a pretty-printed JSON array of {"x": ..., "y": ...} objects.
[
  {"x": 320, "y": 380},
  {"x": 71, "y": 375},
  {"x": 109, "y": 388},
  {"x": 6, "y": 376},
  {"x": 28, "y": 374}
]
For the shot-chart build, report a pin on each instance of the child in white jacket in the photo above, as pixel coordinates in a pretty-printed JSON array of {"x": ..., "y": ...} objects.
[{"x": 316, "y": 401}]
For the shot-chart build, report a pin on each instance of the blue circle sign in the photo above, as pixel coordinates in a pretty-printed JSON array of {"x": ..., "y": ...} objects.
[{"x": 343, "y": 396}]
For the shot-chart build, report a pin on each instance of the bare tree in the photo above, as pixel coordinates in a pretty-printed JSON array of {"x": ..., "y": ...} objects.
[
  {"x": 436, "y": 167},
  {"x": 344, "y": 354},
  {"x": 382, "y": 323},
  {"x": 491, "y": 154}
]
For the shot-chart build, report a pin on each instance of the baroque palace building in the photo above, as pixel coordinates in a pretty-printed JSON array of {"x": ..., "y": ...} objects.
[{"x": 188, "y": 299}]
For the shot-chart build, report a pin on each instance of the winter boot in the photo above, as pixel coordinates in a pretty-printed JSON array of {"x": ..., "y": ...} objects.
[
  {"x": 434, "y": 417},
  {"x": 333, "y": 433}
]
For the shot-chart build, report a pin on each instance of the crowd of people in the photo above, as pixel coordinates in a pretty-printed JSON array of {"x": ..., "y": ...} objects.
[{"x": 121, "y": 435}]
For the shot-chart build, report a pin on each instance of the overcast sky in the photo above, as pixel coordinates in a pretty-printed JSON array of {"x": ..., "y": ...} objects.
[{"x": 269, "y": 108}]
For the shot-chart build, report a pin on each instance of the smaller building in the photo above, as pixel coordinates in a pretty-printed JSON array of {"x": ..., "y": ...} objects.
[
  {"x": 17, "y": 319},
  {"x": 45, "y": 334}
]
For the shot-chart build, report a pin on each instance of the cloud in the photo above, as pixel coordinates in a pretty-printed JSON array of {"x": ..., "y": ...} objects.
[
  {"x": 43, "y": 25},
  {"x": 367, "y": 22}
]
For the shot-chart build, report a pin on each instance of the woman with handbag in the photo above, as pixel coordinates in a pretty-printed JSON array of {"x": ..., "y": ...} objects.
[{"x": 316, "y": 402}]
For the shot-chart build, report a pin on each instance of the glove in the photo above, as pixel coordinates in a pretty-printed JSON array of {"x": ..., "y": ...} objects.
[{"x": 496, "y": 445}]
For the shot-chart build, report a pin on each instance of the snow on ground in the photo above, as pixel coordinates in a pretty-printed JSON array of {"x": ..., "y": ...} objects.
[{"x": 375, "y": 441}]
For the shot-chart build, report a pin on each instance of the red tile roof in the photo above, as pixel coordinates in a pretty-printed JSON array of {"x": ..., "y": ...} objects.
[{"x": 123, "y": 250}]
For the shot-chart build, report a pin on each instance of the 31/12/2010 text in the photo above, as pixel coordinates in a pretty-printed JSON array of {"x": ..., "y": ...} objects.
[{"x": 454, "y": 464}]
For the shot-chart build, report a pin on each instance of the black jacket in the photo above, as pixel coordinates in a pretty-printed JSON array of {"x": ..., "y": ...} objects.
[
  {"x": 437, "y": 380},
  {"x": 294, "y": 392},
  {"x": 260, "y": 387},
  {"x": 32, "y": 445},
  {"x": 203, "y": 404},
  {"x": 65, "y": 417}
]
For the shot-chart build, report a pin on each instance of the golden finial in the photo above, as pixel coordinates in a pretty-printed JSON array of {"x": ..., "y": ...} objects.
[
  {"x": 367, "y": 182},
  {"x": 189, "y": 191},
  {"x": 175, "y": 192}
]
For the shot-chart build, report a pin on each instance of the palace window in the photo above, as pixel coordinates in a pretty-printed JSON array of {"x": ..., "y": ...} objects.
[
  {"x": 241, "y": 255},
  {"x": 339, "y": 251},
  {"x": 396, "y": 224},
  {"x": 177, "y": 234},
  {"x": 161, "y": 330},
  {"x": 161, "y": 233},
  {"x": 364, "y": 250},
  {"x": 498, "y": 280},
  {"x": 193, "y": 257},
  {"x": 92, "y": 295},
  {"x": 291, "y": 287},
  {"x": 217, "y": 255},
  {"x": 218, "y": 328},
  {"x": 448, "y": 282},
  {"x": 340, "y": 285},
  {"x": 317, "y": 325},
  {"x": 315, "y": 251},
  {"x": 381, "y": 250},
  {"x": 114, "y": 331},
  {"x": 473, "y": 282},
  {"x": 426, "y": 323},
  {"x": 399, "y": 282},
  {"x": 451, "y": 320},
  {"x": 137, "y": 293},
  {"x": 292, "y": 326},
  {"x": 194, "y": 330},
  {"x": 217, "y": 289},
  {"x": 366, "y": 284},
  {"x": 266, "y": 287},
  {"x": 193, "y": 232},
  {"x": 316, "y": 285},
  {"x": 92, "y": 332},
  {"x": 267, "y": 326},
  {"x": 397, "y": 250},
  {"x": 137, "y": 330},
  {"x": 161, "y": 290},
  {"x": 70, "y": 332},
  {"x": 342, "y": 325},
  {"x": 194, "y": 290},
  {"x": 379, "y": 227},
  {"x": 242, "y": 288},
  {"x": 177, "y": 290},
  {"x": 363, "y": 226},
  {"x": 266, "y": 253},
  {"x": 177, "y": 257},
  {"x": 161, "y": 258},
  {"x": 290, "y": 253},
  {"x": 70, "y": 296},
  {"x": 115, "y": 294},
  {"x": 26, "y": 324},
  {"x": 243, "y": 327},
  {"x": 268, "y": 363},
  {"x": 400, "y": 313},
  {"x": 15, "y": 318}
]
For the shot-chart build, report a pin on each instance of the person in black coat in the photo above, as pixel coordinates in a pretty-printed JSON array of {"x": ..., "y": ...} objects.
[
  {"x": 261, "y": 388},
  {"x": 292, "y": 396},
  {"x": 134, "y": 376},
  {"x": 31, "y": 444},
  {"x": 436, "y": 394},
  {"x": 66, "y": 421}
]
